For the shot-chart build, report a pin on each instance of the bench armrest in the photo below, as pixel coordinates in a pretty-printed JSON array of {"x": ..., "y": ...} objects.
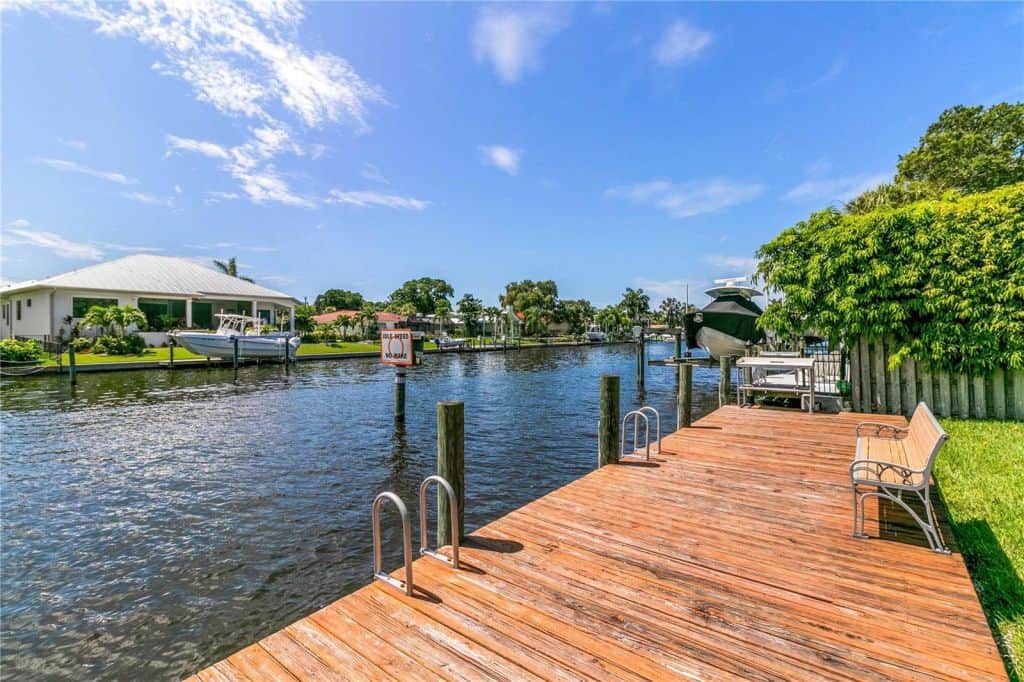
[
  {"x": 880, "y": 429},
  {"x": 878, "y": 467}
]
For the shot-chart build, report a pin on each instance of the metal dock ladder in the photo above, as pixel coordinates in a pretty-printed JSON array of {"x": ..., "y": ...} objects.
[
  {"x": 378, "y": 560},
  {"x": 637, "y": 415}
]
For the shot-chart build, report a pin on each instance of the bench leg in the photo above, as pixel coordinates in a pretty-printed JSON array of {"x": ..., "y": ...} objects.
[
  {"x": 858, "y": 511},
  {"x": 932, "y": 528}
]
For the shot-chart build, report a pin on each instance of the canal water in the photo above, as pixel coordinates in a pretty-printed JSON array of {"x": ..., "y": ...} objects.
[{"x": 156, "y": 522}]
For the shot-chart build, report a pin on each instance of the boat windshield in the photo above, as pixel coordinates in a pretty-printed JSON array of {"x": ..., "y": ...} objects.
[{"x": 238, "y": 324}]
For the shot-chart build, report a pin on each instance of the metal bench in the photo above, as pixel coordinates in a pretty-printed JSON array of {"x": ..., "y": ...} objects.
[{"x": 892, "y": 461}]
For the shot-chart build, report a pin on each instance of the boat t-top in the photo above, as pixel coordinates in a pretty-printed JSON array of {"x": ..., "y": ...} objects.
[
  {"x": 244, "y": 328},
  {"x": 595, "y": 334}
]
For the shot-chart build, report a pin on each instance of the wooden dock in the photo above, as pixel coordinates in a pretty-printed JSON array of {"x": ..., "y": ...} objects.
[{"x": 728, "y": 556}]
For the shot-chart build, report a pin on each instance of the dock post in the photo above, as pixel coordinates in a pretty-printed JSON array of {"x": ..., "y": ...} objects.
[
  {"x": 725, "y": 380},
  {"x": 234, "y": 356},
  {"x": 640, "y": 361},
  {"x": 679, "y": 344},
  {"x": 684, "y": 401},
  {"x": 170, "y": 351},
  {"x": 608, "y": 426},
  {"x": 71, "y": 362},
  {"x": 451, "y": 467},
  {"x": 399, "y": 394}
]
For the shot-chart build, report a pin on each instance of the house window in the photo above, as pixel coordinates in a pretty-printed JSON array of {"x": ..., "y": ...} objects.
[
  {"x": 3, "y": 308},
  {"x": 80, "y": 306},
  {"x": 18, "y": 308},
  {"x": 159, "y": 313},
  {"x": 28, "y": 303}
]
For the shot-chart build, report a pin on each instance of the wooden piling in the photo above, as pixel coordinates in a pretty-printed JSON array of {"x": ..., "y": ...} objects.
[
  {"x": 71, "y": 362},
  {"x": 608, "y": 425},
  {"x": 170, "y": 352},
  {"x": 684, "y": 400},
  {"x": 399, "y": 394},
  {"x": 725, "y": 380},
  {"x": 679, "y": 345},
  {"x": 451, "y": 455}
]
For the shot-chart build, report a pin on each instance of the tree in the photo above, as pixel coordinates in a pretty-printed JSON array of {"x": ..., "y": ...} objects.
[
  {"x": 367, "y": 316},
  {"x": 339, "y": 299},
  {"x": 304, "y": 318},
  {"x": 471, "y": 308},
  {"x": 442, "y": 310},
  {"x": 423, "y": 294},
  {"x": 576, "y": 313},
  {"x": 492, "y": 314},
  {"x": 114, "y": 320},
  {"x": 635, "y": 303},
  {"x": 230, "y": 267},
  {"x": 535, "y": 321},
  {"x": 529, "y": 294},
  {"x": 672, "y": 309},
  {"x": 612, "y": 319},
  {"x": 969, "y": 149},
  {"x": 404, "y": 309}
]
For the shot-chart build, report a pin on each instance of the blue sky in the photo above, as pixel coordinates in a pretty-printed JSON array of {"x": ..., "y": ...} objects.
[{"x": 359, "y": 145}]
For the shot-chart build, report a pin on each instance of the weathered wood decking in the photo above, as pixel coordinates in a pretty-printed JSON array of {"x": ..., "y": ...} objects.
[{"x": 729, "y": 556}]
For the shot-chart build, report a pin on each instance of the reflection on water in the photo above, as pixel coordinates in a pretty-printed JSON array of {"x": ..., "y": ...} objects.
[{"x": 155, "y": 522}]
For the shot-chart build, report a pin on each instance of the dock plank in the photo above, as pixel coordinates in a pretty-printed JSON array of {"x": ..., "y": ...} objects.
[{"x": 727, "y": 556}]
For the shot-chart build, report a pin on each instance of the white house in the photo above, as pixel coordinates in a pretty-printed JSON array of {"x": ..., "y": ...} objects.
[{"x": 161, "y": 286}]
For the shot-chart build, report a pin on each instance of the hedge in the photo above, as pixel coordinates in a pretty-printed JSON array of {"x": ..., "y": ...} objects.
[{"x": 944, "y": 277}]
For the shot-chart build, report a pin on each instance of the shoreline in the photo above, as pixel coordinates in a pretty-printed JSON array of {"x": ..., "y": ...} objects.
[{"x": 248, "y": 362}]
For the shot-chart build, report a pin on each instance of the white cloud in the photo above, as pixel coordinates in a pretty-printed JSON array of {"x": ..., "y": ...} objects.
[
  {"x": 513, "y": 38},
  {"x": 505, "y": 158},
  {"x": 146, "y": 198},
  {"x": 214, "y": 197},
  {"x": 836, "y": 189},
  {"x": 373, "y": 174},
  {"x": 686, "y": 199},
  {"x": 74, "y": 167},
  {"x": 739, "y": 263},
  {"x": 242, "y": 59},
  {"x": 64, "y": 248},
  {"x": 211, "y": 149},
  {"x": 177, "y": 189},
  {"x": 276, "y": 279},
  {"x": 131, "y": 249},
  {"x": 18, "y": 222},
  {"x": 366, "y": 198},
  {"x": 680, "y": 43},
  {"x": 77, "y": 145},
  {"x": 259, "y": 249},
  {"x": 317, "y": 150},
  {"x": 675, "y": 288}
]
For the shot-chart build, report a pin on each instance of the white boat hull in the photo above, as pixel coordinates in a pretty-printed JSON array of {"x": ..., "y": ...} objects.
[
  {"x": 221, "y": 346},
  {"x": 719, "y": 344},
  {"x": 595, "y": 336}
]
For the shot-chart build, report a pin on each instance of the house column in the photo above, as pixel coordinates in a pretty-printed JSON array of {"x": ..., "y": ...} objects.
[
  {"x": 255, "y": 309},
  {"x": 291, "y": 319},
  {"x": 188, "y": 313}
]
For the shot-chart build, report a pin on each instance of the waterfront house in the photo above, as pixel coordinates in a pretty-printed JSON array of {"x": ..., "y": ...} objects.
[
  {"x": 385, "y": 320},
  {"x": 163, "y": 287}
]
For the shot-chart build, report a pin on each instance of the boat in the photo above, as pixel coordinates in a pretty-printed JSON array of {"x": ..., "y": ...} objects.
[
  {"x": 446, "y": 342},
  {"x": 595, "y": 334},
  {"x": 727, "y": 325},
  {"x": 246, "y": 329}
]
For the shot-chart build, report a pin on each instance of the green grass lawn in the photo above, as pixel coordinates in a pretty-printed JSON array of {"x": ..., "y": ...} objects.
[{"x": 980, "y": 473}]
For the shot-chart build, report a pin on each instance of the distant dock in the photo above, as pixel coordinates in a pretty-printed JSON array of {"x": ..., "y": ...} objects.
[{"x": 727, "y": 556}]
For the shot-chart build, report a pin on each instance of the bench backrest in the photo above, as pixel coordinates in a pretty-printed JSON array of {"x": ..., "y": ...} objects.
[{"x": 924, "y": 439}]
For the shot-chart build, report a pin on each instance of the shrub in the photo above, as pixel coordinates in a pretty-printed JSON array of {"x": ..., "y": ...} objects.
[
  {"x": 81, "y": 344},
  {"x": 132, "y": 344},
  {"x": 12, "y": 350},
  {"x": 944, "y": 277}
]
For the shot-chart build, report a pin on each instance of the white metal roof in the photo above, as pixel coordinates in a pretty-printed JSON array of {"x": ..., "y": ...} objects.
[{"x": 149, "y": 274}]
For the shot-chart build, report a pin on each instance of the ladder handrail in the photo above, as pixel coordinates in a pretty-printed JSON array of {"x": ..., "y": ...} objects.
[
  {"x": 657, "y": 425},
  {"x": 453, "y": 506},
  {"x": 378, "y": 570},
  {"x": 637, "y": 415}
]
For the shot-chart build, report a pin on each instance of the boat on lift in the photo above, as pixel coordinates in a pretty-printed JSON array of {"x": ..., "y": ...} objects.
[
  {"x": 246, "y": 329},
  {"x": 595, "y": 334},
  {"x": 727, "y": 325}
]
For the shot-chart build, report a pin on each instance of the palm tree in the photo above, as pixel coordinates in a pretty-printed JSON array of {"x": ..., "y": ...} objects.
[
  {"x": 113, "y": 319},
  {"x": 535, "y": 321},
  {"x": 366, "y": 316},
  {"x": 230, "y": 268},
  {"x": 491, "y": 314},
  {"x": 671, "y": 308}
]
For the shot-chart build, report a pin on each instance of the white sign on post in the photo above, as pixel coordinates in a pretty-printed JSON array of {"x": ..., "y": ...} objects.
[{"x": 396, "y": 347}]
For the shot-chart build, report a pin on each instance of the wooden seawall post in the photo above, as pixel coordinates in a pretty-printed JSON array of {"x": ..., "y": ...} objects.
[
  {"x": 170, "y": 352},
  {"x": 451, "y": 466},
  {"x": 684, "y": 400},
  {"x": 608, "y": 425}
]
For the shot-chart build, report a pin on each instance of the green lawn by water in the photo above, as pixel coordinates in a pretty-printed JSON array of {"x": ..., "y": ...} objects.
[{"x": 980, "y": 473}]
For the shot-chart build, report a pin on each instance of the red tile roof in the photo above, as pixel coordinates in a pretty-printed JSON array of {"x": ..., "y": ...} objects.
[{"x": 382, "y": 317}]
